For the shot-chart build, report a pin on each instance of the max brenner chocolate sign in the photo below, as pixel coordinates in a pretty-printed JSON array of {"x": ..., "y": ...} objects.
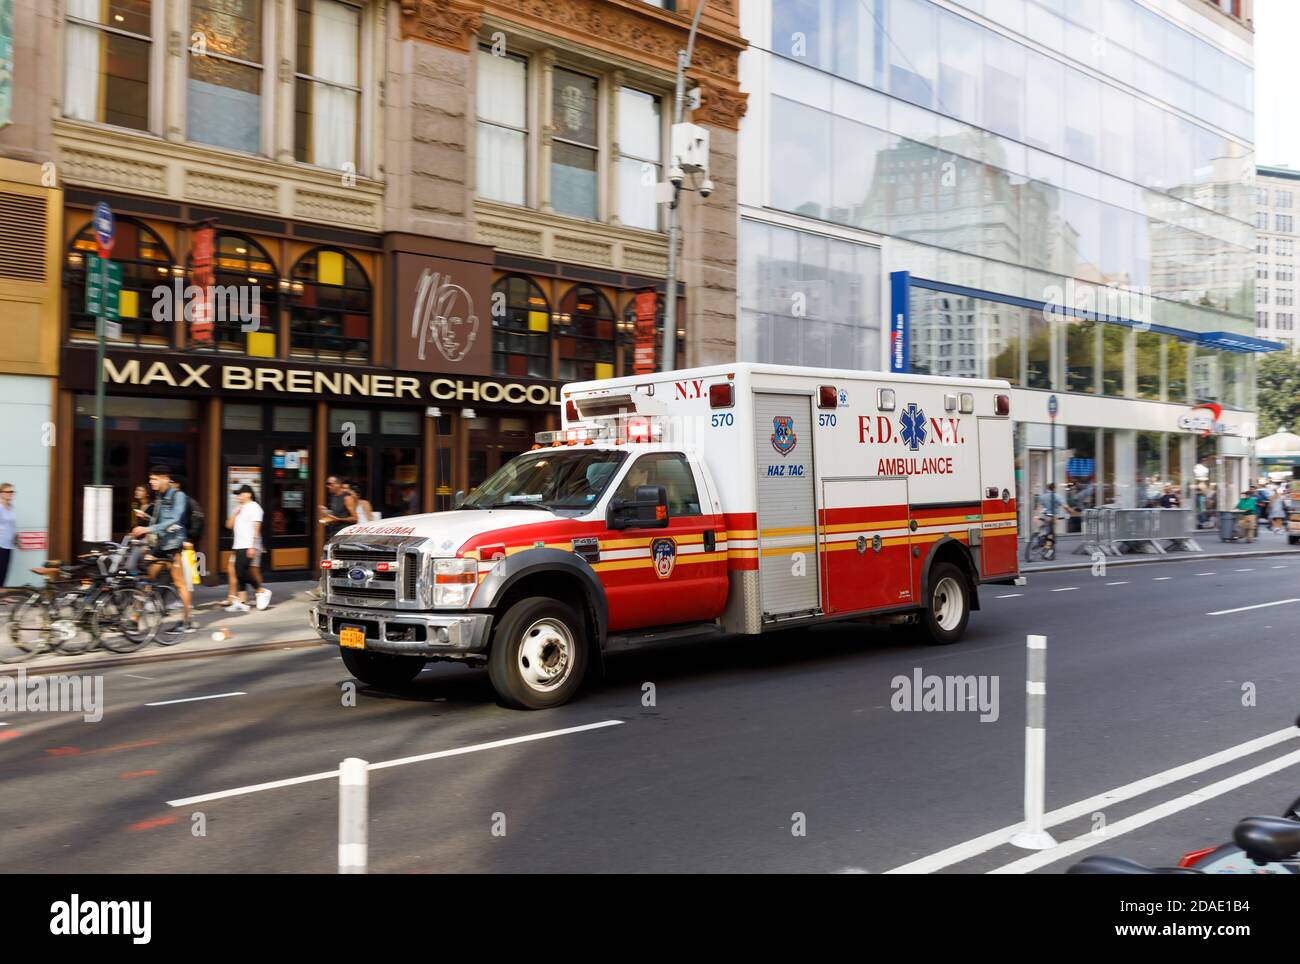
[{"x": 150, "y": 374}]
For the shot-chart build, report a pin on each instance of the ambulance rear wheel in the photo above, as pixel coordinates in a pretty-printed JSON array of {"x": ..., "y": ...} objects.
[
  {"x": 539, "y": 654},
  {"x": 943, "y": 621}
]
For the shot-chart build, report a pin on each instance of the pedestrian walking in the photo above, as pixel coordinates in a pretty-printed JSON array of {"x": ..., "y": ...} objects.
[
  {"x": 8, "y": 529},
  {"x": 340, "y": 509},
  {"x": 1277, "y": 510},
  {"x": 141, "y": 505},
  {"x": 167, "y": 530},
  {"x": 245, "y": 524},
  {"x": 1248, "y": 507}
]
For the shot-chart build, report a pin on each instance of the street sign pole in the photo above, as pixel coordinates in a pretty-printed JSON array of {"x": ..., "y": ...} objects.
[{"x": 104, "y": 231}]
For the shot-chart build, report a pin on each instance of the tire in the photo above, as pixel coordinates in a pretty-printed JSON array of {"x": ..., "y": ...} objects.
[
  {"x": 539, "y": 654},
  {"x": 124, "y": 620},
  {"x": 943, "y": 620},
  {"x": 171, "y": 614},
  {"x": 382, "y": 670}
]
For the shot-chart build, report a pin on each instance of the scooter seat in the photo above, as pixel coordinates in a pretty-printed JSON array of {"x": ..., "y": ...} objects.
[
  {"x": 1102, "y": 864},
  {"x": 1267, "y": 839}
]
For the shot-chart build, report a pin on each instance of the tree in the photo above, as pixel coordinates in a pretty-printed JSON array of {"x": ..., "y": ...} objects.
[{"x": 1279, "y": 393}]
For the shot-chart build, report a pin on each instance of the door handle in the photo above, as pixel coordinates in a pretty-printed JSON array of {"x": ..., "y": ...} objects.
[{"x": 710, "y": 540}]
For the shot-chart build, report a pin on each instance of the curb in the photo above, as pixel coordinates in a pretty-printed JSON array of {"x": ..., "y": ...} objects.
[
  {"x": 154, "y": 655},
  {"x": 1171, "y": 557}
]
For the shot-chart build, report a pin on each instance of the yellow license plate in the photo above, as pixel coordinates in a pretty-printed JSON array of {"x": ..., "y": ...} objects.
[{"x": 352, "y": 637}]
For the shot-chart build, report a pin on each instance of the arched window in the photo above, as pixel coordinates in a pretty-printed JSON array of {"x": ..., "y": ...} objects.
[
  {"x": 245, "y": 315},
  {"x": 332, "y": 307},
  {"x": 585, "y": 329},
  {"x": 146, "y": 263},
  {"x": 521, "y": 336}
]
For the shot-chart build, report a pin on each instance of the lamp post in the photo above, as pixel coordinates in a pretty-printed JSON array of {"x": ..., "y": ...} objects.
[{"x": 670, "y": 286}]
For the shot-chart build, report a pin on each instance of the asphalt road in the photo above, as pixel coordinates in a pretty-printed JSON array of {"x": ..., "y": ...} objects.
[{"x": 744, "y": 740}]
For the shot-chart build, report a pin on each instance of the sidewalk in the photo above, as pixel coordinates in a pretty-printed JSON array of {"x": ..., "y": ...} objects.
[
  {"x": 1265, "y": 544},
  {"x": 283, "y": 623}
]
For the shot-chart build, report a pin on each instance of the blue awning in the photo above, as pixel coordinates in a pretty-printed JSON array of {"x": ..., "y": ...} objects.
[{"x": 1231, "y": 341}]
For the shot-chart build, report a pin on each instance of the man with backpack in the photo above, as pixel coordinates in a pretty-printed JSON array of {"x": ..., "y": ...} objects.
[{"x": 167, "y": 530}]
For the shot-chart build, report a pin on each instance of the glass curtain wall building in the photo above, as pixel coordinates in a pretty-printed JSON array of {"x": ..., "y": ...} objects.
[{"x": 1068, "y": 187}]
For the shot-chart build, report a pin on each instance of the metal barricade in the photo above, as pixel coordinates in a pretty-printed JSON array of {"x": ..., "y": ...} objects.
[{"x": 1113, "y": 531}]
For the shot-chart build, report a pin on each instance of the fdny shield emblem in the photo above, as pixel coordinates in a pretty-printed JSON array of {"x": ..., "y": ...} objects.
[
  {"x": 783, "y": 437},
  {"x": 664, "y": 553}
]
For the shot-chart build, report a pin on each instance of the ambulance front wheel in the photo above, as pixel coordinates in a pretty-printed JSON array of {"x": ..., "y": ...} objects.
[
  {"x": 538, "y": 654},
  {"x": 943, "y": 621}
]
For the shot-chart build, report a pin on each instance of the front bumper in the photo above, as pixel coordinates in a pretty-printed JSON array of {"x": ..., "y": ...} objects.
[{"x": 406, "y": 633}]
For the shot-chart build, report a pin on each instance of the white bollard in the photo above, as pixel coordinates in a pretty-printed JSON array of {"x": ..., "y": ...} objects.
[
  {"x": 353, "y": 787},
  {"x": 1034, "y": 835}
]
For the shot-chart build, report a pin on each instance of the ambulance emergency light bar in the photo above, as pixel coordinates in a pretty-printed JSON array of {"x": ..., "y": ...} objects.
[{"x": 634, "y": 428}]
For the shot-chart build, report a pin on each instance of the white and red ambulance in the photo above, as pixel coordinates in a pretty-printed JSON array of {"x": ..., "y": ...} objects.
[{"x": 731, "y": 499}]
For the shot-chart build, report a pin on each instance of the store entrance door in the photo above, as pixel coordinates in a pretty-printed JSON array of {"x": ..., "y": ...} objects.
[{"x": 279, "y": 468}]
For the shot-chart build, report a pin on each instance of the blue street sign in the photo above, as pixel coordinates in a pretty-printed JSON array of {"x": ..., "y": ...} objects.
[
  {"x": 1053, "y": 406},
  {"x": 104, "y": 226}
]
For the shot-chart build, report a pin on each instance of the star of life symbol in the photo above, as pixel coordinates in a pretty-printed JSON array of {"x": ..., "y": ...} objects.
[
  {"x": 911, "y": 425},
  {"x": 783, "y": 437}
]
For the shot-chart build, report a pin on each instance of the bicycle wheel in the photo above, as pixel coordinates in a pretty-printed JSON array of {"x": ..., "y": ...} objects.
[
  {"x": 27, "y": 632},
  {"x": 125, "y": 619},
  {"x": 73, "y": 623},
  {"x": 1033, "y": 547},
  {"x": 172, "y": 614}
]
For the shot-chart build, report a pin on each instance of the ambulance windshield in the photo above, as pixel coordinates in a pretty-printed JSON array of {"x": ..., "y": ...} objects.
[{"x": 563, "y": 481}]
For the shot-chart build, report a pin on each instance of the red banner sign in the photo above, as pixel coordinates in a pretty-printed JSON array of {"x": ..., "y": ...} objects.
[
  {"x": 643, "y": 356},
  {"x": 201, "y": 239}
]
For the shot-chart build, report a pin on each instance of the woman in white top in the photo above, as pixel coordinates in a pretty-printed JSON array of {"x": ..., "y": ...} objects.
[{"x": 246, "y": 525}]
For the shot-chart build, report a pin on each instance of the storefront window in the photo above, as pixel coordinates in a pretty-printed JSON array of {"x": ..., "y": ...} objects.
[
  {"x": 245, "y": 305},
  {"x": 146, "y": 263},
  {"x": 1002, "y": 328},
  {"x": 585, "y": 330},
  {"x": 1151, "y": 478},
  {"x": 296, "y": 418},
  {"x": 521, "y": 329},
  {"x": 332, "y": 307},
  {"x": 1081, "y": 468},
  {"x": 241, "y": 418}
]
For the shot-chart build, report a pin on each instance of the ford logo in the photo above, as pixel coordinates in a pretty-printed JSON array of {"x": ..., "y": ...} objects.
[{"x": 358, "y": 574}]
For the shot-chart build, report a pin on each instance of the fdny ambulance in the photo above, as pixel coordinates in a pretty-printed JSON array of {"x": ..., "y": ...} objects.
[{"x": 732, "y": 499}]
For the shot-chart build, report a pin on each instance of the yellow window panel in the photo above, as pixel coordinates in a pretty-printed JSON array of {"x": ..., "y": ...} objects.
[
  {"x": 329, "y": 267},
  {"x": 128, "y": 303},
  {"x": 604, "y": 370},
  {"x": 539, "y": 321},
  {"x": 261, "y": 344}
]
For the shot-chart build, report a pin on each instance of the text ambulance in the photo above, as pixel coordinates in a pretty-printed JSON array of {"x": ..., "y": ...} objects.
[{"x": 732, "y": 499}]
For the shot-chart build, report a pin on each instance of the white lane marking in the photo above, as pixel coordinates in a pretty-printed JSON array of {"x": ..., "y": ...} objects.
[
  {"x": 1242, "y": 609},
  {"x": 1277, "y": 567},
  {"x": 996, "y": 838},
  {"x": 1066, "y": 589},
  {"x": 403, "y": 761},
  {"x": 1122, "y": 582},
  {"x": 1243, "y": 570},
  {"x": 195, "y": 699},
  {"x": 1011, "y": 595},
  {"x": 1207, "y": 574},
  {"x": 134, "y": 676},
  {"x": 1161, "y": 578},
  {"x": 1041, "y": 859},
  {"x": 3, "y": 723}
]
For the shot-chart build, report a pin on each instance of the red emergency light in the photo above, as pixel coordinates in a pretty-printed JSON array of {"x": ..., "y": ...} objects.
[
  {"x": 827, "y": 396},
  {"x": 1002, "y": 405},
  {"x": 570, "y": 411},
  {"x": 722, "y": 395},
  {"x": 638, "y": 429}
]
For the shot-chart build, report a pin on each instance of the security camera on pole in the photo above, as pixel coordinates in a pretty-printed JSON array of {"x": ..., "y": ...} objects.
[{"x": 688, "y": 169}]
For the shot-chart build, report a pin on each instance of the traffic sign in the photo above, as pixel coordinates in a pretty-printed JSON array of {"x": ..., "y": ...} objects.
[
  {"x": 1053, "y": 406},
  {"x": 103, "y": 287},
  {"x": 104, "y": 225}
]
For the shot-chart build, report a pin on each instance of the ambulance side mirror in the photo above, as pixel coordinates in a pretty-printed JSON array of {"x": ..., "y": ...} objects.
[{"x": 649, "y": 510}]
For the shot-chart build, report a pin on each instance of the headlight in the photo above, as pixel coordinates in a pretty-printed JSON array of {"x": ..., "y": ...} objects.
[{"x": 454, "y": 581}]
